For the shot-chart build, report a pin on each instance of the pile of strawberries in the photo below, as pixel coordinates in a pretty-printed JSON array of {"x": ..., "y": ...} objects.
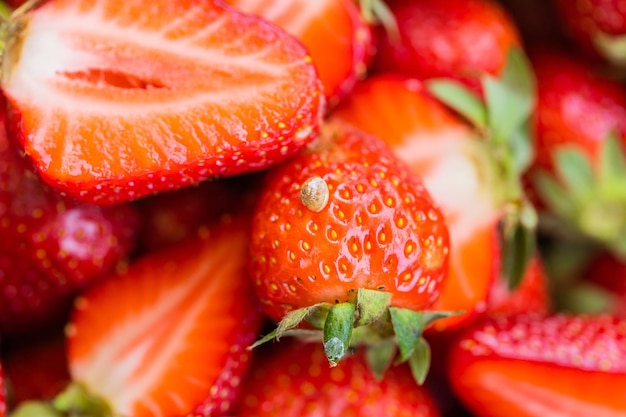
[{"x": 260, "y": 208}]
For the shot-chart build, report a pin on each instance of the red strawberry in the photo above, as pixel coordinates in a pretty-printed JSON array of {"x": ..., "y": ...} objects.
[
  {"x": 292, "y": 379},
  {"x": 170, "y": 217},
  {"x": 580, "y": 131},
  {"x": 437, "y": 145},
  {"x": 531, "y": 366},
  {"x": 342, "y": 222},
  {"x": 36, "y": 370},
  {"x": 167, "y": 336},
  {"x": 465, "y": 173},
  {"x": 51, "y": 248},
  {"x": 140, "y": 99},
  {"x": 607, "y": 273},
  {"x": 461, "y": 39},
  {"x": 532, "y": 295},
  {"x": 337, "y": 37},
  {"x": 3, "y": 404},
  {"x": 596, "y": 26}
]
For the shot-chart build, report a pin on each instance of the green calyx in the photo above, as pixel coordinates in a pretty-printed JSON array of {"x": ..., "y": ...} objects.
[
  {"x": 502, "y": 121},
  {"x": 386, "y": 332},
  {"x": 74, "y": 401},
  {"x": 589, "y": 196},
  {"x": 377, "y": 12}
]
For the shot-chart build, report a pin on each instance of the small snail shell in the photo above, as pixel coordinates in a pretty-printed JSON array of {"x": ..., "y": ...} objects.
[{"x": 314, "y": 194}]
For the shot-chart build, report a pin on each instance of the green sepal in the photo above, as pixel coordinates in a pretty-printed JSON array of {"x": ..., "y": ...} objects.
[
  {"x": 519, "y": 244},
  {"x": 379, "y": 357},
  {"x": 459, "y": 98},
  {"x": 35, "y": 409},
  {"x": 574, "y": 170},
  {"x": 338, "y": 331},
  {"x": 521, "y": 148},
  {"x": 377, "y": 12},
  {"x": 370, "y": 306},
  {"x": 585, "y": 298},
  {"x": 419, "y": 362},
  {"x": 612, "y": 162},
  {"x": 291, "y": 320},
  {"x": 408, "y": 326},
  {"x": 77, "y": 400},
  {"x": 509, "y": 98},
  {"x": 554, "y": 195}
]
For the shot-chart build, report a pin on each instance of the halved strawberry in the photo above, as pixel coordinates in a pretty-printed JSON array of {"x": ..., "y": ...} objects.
[
  {"x": 168, "y": 336},
  {"x": 533, "y": 366},
  {"x": 334, "y": 31},
  {"x": 51, "y": 248},
  {"x": 114, "y": 100}
]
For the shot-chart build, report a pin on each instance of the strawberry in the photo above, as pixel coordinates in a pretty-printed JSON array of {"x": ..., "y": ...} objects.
[
  {"x": 140, "y": 99},
  {"x": 579, "y": 173},
  {"x": 432, "y": 140},
  {"x": 37, "y": 369},
  {"x": 461, "y": 39},
  {"x": 291, "y": 379},
  {"x": 3, "y": 405},
  {"x": 167, "y": 336},
  {"x": 51, "y": 248},
  {"x": 170, "y": 217},
  {"x": 531, "y": 366},
  {"x": 597, "y": 27},
  {"x": 531, "y": 295},
  {"x": 346, "y": 235},
  {"x": 466, "y": 174},
  {"x": 334, "y": 31}
]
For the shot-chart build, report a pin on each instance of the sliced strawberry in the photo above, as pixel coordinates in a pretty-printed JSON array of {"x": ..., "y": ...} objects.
[
  {"x": 51, "y": 248},
  {"x": 168, "y": 336},
  {"x": 531, "y": 366},
  {"x": 291, "y": 379},
  {"x": 139, "y": 99},
  {"x": 338, "y": 39}
]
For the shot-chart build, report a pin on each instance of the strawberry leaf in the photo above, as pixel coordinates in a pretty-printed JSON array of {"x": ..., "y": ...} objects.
[
  {"x": 371, "y": 305},
  {"x": 574, "y": 170},
  {"x": 612, "y": 161},
  {"x": 510, "y": 98},
  {"x": 77, "y": 400},
  {"x": 419, "y": 362},
  {"x": 377, "y": 12},
  {"x": 518, "y": 248},
  {"x": 408, "y": 326},
  {"x": 380, "y": 356},
  {"x": 458, "y": 97},
  {"x": 36, "y": 409},
  {"x": 338, "y": 331}
]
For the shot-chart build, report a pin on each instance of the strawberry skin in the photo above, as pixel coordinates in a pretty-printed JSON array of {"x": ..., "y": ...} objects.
[
  {"x": 168, "y": 336},
  {"x": 531, "y": 366},
  {"x": 134, "y": 101},
  {"x": 461, "y": 39},
  {"x": 339, "y": 40},
  {"x": 3, "y": 404},
  {"x": 379, "y": 230},
  {"x": 436, "y": 145},
  {"x": 51, "y": 248},
  {"x": 292, "y": 379}
]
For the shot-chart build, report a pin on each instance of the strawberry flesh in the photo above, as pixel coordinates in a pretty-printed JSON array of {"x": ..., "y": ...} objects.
[
  {"x": 168, "y": 336},
  {"x": 139, "y": 99}
]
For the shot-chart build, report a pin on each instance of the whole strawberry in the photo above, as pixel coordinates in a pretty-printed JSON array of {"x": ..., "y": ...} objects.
[
  {"x": 342, "y": 222},
  {"x": 460, "y": 39},
  {"x": 534, "y": 366},
  {"x": 291, "y": 379},
  {"x": 51, "y": 248}
]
